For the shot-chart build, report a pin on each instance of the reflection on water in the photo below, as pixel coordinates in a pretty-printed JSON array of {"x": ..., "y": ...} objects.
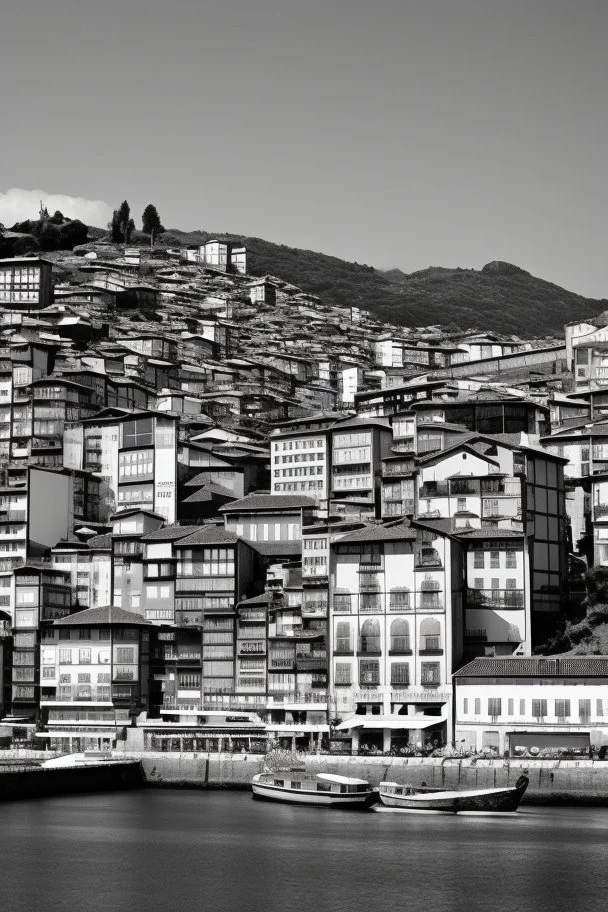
[{"x": 223, "y": 852}]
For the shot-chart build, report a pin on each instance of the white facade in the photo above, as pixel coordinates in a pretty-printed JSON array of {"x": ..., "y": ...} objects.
[{"x": 299, "y": 465}]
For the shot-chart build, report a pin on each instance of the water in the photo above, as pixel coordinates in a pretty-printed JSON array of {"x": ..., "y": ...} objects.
[{"x": 223, "y": 852}]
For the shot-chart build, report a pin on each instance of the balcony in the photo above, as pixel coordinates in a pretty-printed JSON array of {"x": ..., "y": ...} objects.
[
  {"x": 314, "y": 609},
  {"x": 495, "y": 598}
]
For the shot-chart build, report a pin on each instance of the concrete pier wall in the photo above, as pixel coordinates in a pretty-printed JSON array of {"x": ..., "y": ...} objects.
[{"x": 551, "y": 781}]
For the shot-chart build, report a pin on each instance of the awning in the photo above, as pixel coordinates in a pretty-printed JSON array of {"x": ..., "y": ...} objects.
[{"x": 408, "y": 723}]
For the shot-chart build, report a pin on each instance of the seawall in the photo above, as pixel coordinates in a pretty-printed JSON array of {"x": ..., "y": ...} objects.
[
  {"x": 551, "y": 781},
  {"x": 37, "y": 782}
]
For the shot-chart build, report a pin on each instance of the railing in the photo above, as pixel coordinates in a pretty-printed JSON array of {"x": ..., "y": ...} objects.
[{"x": 495, "y": 598}]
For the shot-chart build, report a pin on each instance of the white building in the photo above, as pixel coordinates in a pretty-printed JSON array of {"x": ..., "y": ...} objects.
[{"x": 524, "y": 706}]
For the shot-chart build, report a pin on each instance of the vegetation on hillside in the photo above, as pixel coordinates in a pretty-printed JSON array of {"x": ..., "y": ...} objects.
[
  {"x": 499, "y": 297},
  {"x": 587, "y": 635}
]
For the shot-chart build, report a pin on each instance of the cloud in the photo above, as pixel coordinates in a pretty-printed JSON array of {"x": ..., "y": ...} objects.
[{"x": 17, "y": 205}]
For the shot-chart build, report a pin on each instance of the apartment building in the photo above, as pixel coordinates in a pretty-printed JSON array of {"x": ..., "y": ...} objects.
[
  {"x": 94, "y": 669},
  {"x": 42, "y": 594},
  {"x": 484, "y": 484},
  {"x": 271, "y": 523},
  {"x": 395, "y": 621},
  {"x": 554, "y": 705},
  {"x": 134, "y": 452},
  {"x": 357, "y": 449},
  {"x": 25, "y": 283},
  {"x": 300, "y": 461},
  {"x": 90, "y": 567}
]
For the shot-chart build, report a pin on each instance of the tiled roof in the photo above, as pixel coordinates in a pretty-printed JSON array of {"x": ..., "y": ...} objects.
[
  {"x": 95, "y": 616},
  {"x": 278, "y": 549},
  {"x": 264, "y": 599},
  {"x": 373, "y": 533},
  {"x": 489, "y": 533},
  {"x": 268, "y": 502},
  {"x": 169, "y": 533},
  {"x": 208, "y": 492},
  {"x": 209, "y": 535},
  {"x": 536, "y": 667}
]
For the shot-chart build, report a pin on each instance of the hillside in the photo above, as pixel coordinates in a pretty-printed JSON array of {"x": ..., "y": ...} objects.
[{"x": 499, "y": 297}]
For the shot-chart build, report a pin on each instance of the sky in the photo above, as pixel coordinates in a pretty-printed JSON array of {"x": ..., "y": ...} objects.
[{"x": 397, "y": 133}]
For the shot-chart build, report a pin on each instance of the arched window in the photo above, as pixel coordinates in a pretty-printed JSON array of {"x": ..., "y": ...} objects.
[
  {"x": 370, "y": 636},
  {"x": 344, "y": 638},
  {"x": 430, "y": 634},
  {"x": 400, "y": 636}
]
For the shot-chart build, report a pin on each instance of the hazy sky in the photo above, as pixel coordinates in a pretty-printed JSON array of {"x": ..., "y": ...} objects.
[{"x": 392, "y": 132}]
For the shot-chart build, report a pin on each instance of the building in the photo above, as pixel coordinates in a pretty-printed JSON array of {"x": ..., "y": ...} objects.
[
  {"x": 553, "y": 705},
  {"x": 95, "y": 677},
  {"x": 395, "y": 618},
  {"x": 25, "y": 283}
]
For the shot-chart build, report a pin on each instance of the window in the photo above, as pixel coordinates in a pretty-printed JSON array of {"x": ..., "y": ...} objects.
[
  {"x": 125, "y": 655},
  {"x": 369, "y": 672},
  {"x": 399, "y": 599},
  {"x": 584, "y": 710},
  {"x": 138, "y": 433},
  {"x": 48, "y": 672},
  {"x": 494, "y": 560},
  {"x": 511, "y": 560},
  {"x": 430, "y": 635},
  {"x": 477, "y": 706},
  {"x": 84, "y": 656},
  {"x": 539, "y": 709},
  {"x": 461, "y": 504},
  {"x": 494, "y": 707},
  {"x": 344, "y": 641},
  {"x": 522, "y": 707},
  {"x": 65, "y": 656},
  {"x": 510, "y": 706},
  {"x": 599, "y": 709},
  {"x": 400, "y": 636},
  {"x": 343, "y": 673},
  {"x": 400, "y": 674},
  {"x": 370, "y": 636},
  {"x": 562, "y": 709},
  {"x": 465, "y": 706},
  {"x": 430, "y": 673},
  {"x": 479, "y": 560}
]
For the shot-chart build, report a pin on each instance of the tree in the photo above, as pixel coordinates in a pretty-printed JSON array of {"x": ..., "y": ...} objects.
[
  {"x": 122, "y": 225},
  {"x": 151, "y": 223}
]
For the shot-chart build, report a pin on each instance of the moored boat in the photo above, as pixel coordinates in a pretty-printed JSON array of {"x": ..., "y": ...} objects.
[
  {"x": 321, "y": 790},
  {"x": 423, "y": 798}
]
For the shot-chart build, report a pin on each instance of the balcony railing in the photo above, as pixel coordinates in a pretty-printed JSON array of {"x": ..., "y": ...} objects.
[{"x": 495, "y": 598}]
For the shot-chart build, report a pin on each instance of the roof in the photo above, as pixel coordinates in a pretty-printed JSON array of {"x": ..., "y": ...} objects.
[
  {"x": 489, "y": 532},
  {"x": 209, "y": 535},
  {"x": 264, "y": 599},
  {"x": 169, "y": 533},
  {"x": 374, "y": 533},
  {"x": 94, "y": 617},
  {"x": 269, "y": 502},
  {"x": 278, "y": 548},
  {"x": 536, "y": 667}
]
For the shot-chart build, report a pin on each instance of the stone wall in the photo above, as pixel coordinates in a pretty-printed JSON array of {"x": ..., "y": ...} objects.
[{"x": 551, "y": 781}]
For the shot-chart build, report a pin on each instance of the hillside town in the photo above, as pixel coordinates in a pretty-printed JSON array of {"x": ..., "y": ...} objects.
[{"x": 232, "y": 515}]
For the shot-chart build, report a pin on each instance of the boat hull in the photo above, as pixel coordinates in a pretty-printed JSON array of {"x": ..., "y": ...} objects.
[
  {"x": 359, "y": 801},
  {"x": 498, "y": 800}
]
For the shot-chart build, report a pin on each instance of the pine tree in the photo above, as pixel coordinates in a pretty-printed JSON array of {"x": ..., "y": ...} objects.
[{"x": 151, "y": 223}]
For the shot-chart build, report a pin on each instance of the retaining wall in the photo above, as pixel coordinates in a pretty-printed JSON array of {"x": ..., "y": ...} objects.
[{"x": 551, "y": 781}]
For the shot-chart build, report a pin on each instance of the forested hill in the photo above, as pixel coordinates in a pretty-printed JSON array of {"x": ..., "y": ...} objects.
[{"x": 499, "y": 297}]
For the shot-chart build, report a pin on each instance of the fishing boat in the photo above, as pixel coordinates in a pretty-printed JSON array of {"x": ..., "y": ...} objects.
[
  {"x": 296, "y": 786},
  {"x": 445, "y": 801}
]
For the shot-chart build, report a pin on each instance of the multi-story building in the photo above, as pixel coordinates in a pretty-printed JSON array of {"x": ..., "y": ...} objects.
[
  {"x": 357, "y": 449},
  {"x": 272, "y": 523},
  {"x": 94, "y": 672},
  {"x": 42, "y": 593},
  {"x": 300, "y": 460},
  {"x": 533, "y": 706},
  {"x": 395, "y": 619},
  {"x": 90, "y": 567},
  {"x": 25, "y": 283},
  {"x": 136, "y": 454}
]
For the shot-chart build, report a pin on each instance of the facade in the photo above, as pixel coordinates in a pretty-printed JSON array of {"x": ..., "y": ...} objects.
[
  {"x": 537, "y": 706},
  {"x": 25, "y": 283}
]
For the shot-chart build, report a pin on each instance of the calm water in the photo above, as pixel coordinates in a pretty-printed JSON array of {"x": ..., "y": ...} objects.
[{"x": 216, "y": 851}]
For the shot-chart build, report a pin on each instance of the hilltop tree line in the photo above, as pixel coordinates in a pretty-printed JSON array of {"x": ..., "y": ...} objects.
[{"x": 122, "y": 225}]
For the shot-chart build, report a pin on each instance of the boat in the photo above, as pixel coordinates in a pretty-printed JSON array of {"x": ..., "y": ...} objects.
[
  {"x": 446, "y": 801},
  {"x": 296, "y": 786}
]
